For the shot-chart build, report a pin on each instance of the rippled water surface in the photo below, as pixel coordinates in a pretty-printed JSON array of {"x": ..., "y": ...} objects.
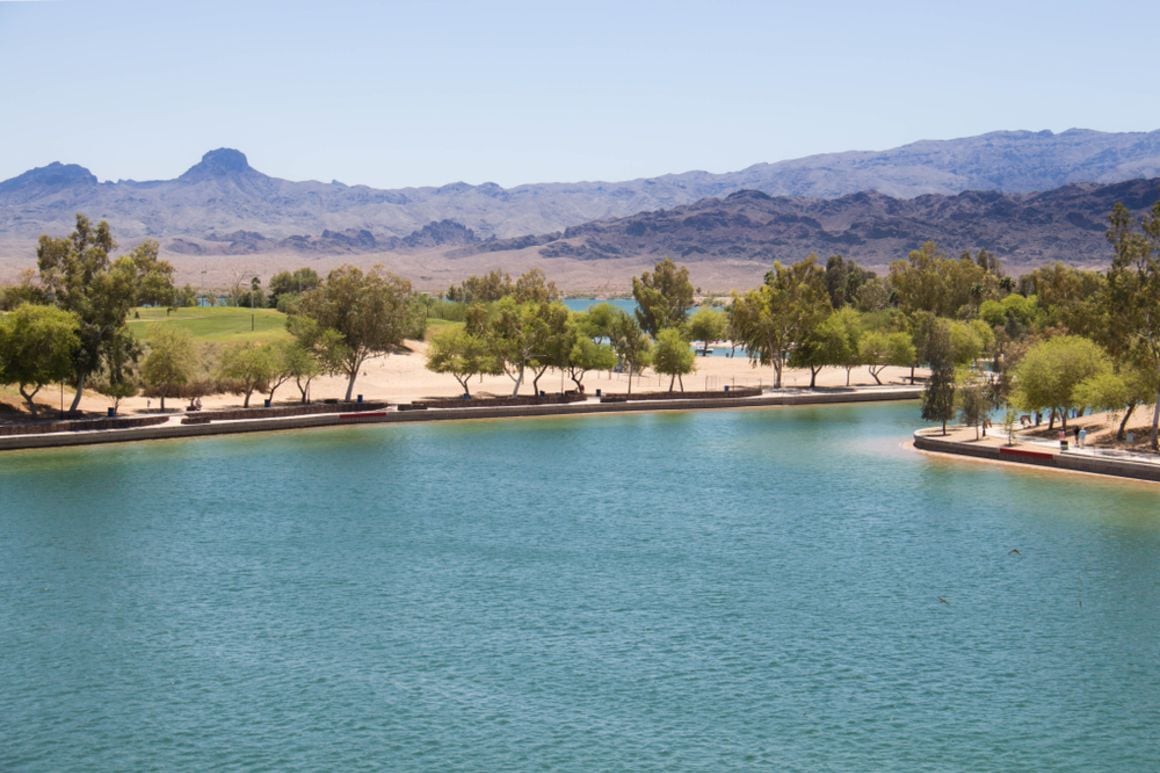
[{"x": 723, "y": 590}]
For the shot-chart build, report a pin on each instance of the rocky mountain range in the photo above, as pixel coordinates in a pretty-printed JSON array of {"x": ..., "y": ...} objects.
[
  {"x": 223, "y": 206},
  {"x": 1022, "y": 229}
]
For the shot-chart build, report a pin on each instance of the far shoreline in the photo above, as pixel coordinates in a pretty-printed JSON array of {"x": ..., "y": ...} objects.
[{"x": 171, "y": 430}]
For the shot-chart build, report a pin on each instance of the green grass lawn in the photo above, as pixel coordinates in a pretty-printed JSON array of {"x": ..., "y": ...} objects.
[
  {"x": 435, "y": 325},
  {"x": 218, "y": 324},
  {"x": 226, "y": 324}
]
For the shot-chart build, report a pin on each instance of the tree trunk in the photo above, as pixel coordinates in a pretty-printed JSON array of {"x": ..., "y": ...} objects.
[
  {"x": 1124, "y": 422},
  {"x": 777, "y": 366},
  {"x": 163, "y": 402},
  {"x": 246, "y": 401},
  {"x": 350, "y": 382},
  {"x": 536, "y": 381},
  {"x": 944, "y": 426},
  {"x": 848, "y": 377},
  {"x": 28, "y": 397},
  {"x": 911, "y": 375},
  {"x": 76, "y": 401},
  {"x": 672, "y": 380},
  {"x": 1156, "y": 424},
  {"x": 630, "y": 380},
  {"x": 874, "y": 373},
  {"x": 519, "y": 381},
  {"x": 813, "y": 376},
  {"x": 463, "y": 383},
  {"x": 681, "y": 381},
  {"x": 1051, "y": 420}
]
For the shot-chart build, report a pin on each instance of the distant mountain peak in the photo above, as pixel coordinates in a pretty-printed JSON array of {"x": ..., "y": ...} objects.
[
  {"x": 55, "y": 176},
  {"x": 223, "y": 162}
]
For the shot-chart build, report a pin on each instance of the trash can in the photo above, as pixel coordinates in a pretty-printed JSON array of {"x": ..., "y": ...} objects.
[
  {"x": 359, "y": 400},
  {"x": 1062, "y": 440},
  {"x": 726, "y": 387},
  {"x": 266, "y": 402},
  {"x": 599, "y": 393},
  {"x": 111, "y": 412}
]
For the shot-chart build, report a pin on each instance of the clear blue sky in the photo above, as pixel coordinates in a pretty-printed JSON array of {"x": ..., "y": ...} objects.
[{"x": 424, "y": 93}]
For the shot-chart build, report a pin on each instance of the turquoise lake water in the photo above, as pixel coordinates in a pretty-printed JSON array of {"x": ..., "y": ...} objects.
[{"x": 697, "y": 591}]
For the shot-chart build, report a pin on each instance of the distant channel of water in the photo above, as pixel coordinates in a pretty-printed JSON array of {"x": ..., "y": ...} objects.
[{"x": 762, "y": 589}]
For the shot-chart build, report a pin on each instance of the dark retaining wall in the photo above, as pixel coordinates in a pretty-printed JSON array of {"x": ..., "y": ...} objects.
[
  {"x": 621, "y": 397},
  {"x": 301, "y": 409},
  {"x": 81, "y": 425},
  {"x": 556, "y": 398}
]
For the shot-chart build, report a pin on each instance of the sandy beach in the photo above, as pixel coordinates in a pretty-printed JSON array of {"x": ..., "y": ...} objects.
[{"x": 403, "y": 378}]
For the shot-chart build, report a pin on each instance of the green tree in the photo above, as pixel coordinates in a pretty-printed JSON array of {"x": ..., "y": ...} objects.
[
  {"x": 707, "y": 325},
  {"x": 247, "y": 367},
  {"x": 78, "y": 276},
  {"x": 117, "y": 380},
  {"x": 284, "y": 360},
  {"x": 929, "y": 281},
  {"x": 525, "y": 336},
  {"x": 879, "y": 350},
  {"x": 27, "y": 290},
  {"x": 533, "y": 287},
  {"x": 302, "y": 365},
  {"x": 663, "y": 297},
  {"x": 938, "y": 397},
  {"x": 672, "y": 356},
  {"x": 1050, "y": 371},
  {"x": 844, "y": 280},
  {"x": 969, "y": 340},
  {"x": 36, "y": 348},
  {"x": 1070, "y": 300},
  {"x": 587, "y": 355},
  {"x": 371, "y": 313},
  {"x": 482, "y": 289},
  {"x": 150, "y": 277},
  {"x": 1134, "y": 294},
  {"x": 172, "y": 362},
  {"x": 971, "y": 398},
  {"x": 463, "y": 355},
  {"x": 832, "y": 343},
  {"x": 597, "y": 321},
  {"x": 631, "y": 344},
  {"x": 291, "y": 284},
  {"x": 873, "y": 295},
  {"x": 1105, "y": 391},
  {"x": 781, "y": 314}
]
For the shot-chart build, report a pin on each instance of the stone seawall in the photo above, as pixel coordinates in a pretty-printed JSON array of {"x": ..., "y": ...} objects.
[
  {"x": 175, "y": 430},
  {"x": 1058, "y": 460}
]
